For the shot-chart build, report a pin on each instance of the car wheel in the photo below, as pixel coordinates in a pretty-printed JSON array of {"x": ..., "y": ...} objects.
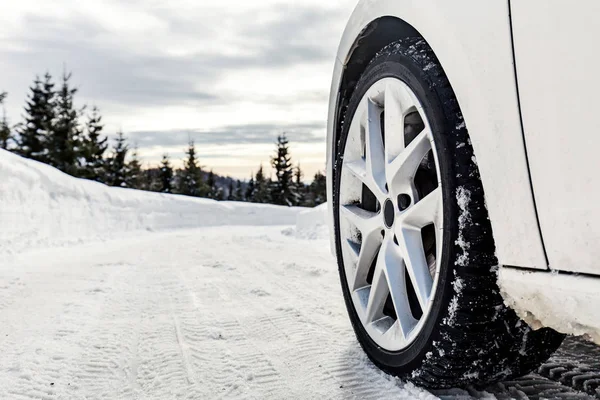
[{"x": 414, "y": 243}]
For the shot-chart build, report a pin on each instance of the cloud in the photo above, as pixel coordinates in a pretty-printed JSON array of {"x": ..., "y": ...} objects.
[
  {"x": 242, "y": 134},
  {"x": 252, "y": 69},
  {"x": 121, "y": 72}
]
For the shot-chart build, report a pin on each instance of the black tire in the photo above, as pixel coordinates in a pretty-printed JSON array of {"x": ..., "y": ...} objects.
[{"x": 470, "y": 336}]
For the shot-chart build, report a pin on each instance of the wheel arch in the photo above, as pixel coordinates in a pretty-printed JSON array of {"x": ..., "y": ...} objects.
[
  {"x": 374, "y": 37},
  {"x": 472, "y": 41}
]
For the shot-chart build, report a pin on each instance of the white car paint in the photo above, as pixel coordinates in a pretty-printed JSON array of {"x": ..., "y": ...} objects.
[
  {"x": 472, "y": 39},
  {"x": 557, "y": 65}
]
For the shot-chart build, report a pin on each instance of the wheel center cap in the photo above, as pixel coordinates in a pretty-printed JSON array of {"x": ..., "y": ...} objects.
[{"x": 388, "y": 213}]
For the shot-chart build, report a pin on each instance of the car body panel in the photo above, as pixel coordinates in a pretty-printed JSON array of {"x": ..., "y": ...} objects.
[
  {"x": 557, "y": 66},
  {"x": 472, "y": 40}
]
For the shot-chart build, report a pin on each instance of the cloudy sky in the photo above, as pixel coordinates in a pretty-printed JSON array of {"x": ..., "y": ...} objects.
[{"x": 230, "y": 74}]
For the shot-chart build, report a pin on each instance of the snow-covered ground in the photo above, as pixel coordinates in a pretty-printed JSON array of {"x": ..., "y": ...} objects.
[{"x": 116, "y": 294}]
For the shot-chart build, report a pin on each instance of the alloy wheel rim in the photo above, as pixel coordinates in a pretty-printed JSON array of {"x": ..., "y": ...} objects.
[{"x": 391, "y": 214}]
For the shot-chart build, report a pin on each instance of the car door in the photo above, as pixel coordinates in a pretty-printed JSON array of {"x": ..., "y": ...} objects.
[{"x": 557, "y": 55}]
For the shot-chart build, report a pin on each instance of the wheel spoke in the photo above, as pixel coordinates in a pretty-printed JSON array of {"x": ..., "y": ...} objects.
[
  {"x": 427, "y": 211},
  {"x": 368, "y": 250},
  {"x": 363, "y": 256},
  {"x": 394, "y": 268},
  {"x": 358, "y": 168},
  {"x": 389, "y": 279},
  {"x": 394, "y": 333},
  {"x": 408, "y": 232},
  {"x": 374, "y": 152},
  {"x": 403, "y": 168},
  {"x": 377, "y": 295},
  {"x": 394, "y": 121},
  {"x": 370, "y": 225},
  {"x": 365, "y": 221},
  {"x": 411, "y": 247}
]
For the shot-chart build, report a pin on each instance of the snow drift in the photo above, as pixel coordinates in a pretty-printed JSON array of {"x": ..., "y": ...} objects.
[
  {"x": 41, "y": 206},
  {"x": 311, "y": 223}
]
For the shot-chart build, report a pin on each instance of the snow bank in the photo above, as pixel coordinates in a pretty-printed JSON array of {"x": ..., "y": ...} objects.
[
  {"x": 312, "y": 223},
  {"x": 41, "y": 206}
]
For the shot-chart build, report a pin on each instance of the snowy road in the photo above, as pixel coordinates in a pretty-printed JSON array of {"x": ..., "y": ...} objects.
[
  {"x": 220, "y": 312},
  {"x": 223, "y": 312}
]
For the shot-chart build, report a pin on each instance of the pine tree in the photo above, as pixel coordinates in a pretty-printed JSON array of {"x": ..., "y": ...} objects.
[
  {"x": 166, "y": 175},
  {"x": 318, "y": 189},
  {"x": 218, "y": 194},
  {"x": 150, "y": 179},
  {"x": 283, "y": 191},
  {"x": 39, "y": 118},
  {"x": 251, "y": 189},
  {"x": 238, "y": 195},
  {"x": 5, "y": 132},
  {"x": 190, "y": 181},
  {"x": 231, "y": 193},
  {"x": 116, "y": 166},
  {"x": 299, "y": 186},
  {"x": 212, "y": 185},
  {"x": 93, "y": 147},
  {"x": 64, "y": 141},
  {"x": 135, "y": 178},
  {"x": 261, "y": 188}
]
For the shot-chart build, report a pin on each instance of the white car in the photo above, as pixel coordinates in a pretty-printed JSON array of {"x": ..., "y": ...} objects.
[{"x": 463, "y": 166}]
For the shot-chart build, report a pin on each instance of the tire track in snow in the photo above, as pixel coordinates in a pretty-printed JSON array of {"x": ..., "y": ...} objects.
[
  {"x": 164, "y": 367},
  {"x": 111, "y": 348},
  {"x": 315, "y": 361},
  {"x": 182, "y": 347},
  {"x": 275, "y": 330},
  {"x": 51, "y": 336},
  {"x": 236, "y": 355}
]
